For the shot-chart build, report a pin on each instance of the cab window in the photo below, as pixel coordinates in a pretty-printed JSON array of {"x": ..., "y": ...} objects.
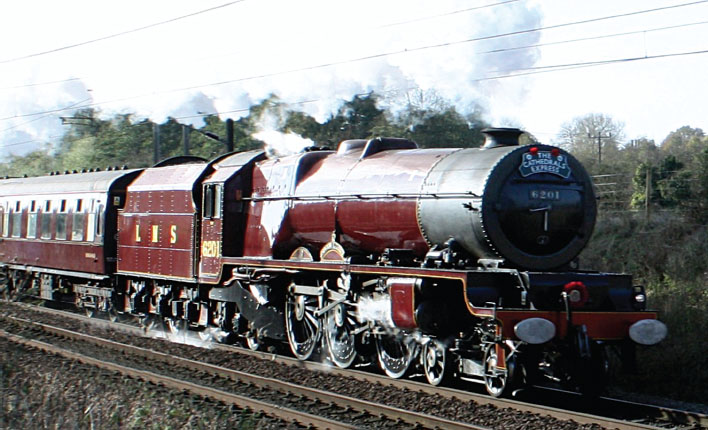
[{"x": 212, "y": 201}]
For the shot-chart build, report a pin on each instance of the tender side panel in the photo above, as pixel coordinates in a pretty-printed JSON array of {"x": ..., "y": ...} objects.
[{"x": 156, "y": 244}]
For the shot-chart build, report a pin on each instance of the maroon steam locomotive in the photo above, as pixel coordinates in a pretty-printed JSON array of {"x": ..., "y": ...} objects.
[{"x": 459, "y": 261}]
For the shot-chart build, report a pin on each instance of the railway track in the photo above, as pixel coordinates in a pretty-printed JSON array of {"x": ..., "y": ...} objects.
[
  {"x": 302, "y": 418},
  {"x": 641, "y": 416},
  {"x": 354, "y": 413}
]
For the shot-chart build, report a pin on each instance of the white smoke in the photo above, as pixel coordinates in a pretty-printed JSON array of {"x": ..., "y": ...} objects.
[
  {"x": 277, "y": 143},
  {"x": 313, "y": 56}
]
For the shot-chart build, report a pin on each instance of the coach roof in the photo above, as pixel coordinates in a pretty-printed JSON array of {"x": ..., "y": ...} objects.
[{"x": 62, "y": 183}]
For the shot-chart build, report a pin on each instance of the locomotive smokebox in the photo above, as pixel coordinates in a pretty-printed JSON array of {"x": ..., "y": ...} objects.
[
  {"x": 532, "y": 206},
  {"x": 497, "y": 137}
]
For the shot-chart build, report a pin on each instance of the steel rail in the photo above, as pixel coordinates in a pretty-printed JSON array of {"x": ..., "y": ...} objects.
[
  {"x": 372, "y": 408},
  {"x": 660, "y": 413},
  {"x": 285, "y": 414}
]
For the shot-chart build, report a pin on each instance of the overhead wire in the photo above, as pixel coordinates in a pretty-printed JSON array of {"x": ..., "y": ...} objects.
[
  {"x": 588, "y": 38},
  {"x": 578, "y": 65},
  {"x": 498, "y": 50},
  {"x": 427, "y": 47},
  {"x": 31, "y": 141},
  {"x": 122, "y": 33},
  {"x": 39, "y": 84},
  {"x": 458, "y": 11},
  {"x": 454, "y": 12},
  {"x": 534, "y": 70},
  {"x": 71, "y": 106}
]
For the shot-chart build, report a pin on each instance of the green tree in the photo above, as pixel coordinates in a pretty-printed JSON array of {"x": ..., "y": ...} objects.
[
  {"x": 683, "y": 143},
  {"x": 359, "y": 118},
  {"x": 699, "y": 206},
  {"x": 673, "y": 183},
  {"x": 446, "y": 129},
  {"x": 670, "y": 184},
  {"x": 35, "y": 163}
]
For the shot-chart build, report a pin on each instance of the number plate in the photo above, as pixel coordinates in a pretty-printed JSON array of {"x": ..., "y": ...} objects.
[{"x": 545, "y": 194}]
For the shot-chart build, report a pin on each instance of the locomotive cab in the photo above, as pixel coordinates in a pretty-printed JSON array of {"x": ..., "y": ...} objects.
[{"x": 224, "y": 209}]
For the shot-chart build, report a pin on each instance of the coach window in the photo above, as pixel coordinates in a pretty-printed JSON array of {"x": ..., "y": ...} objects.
[
  {"x": 99, "y": 220},
  {"x": 17, "y": 220},
  {"x": 77, "y": 224},
  {"x": 91, "y": 221},
  {"x": 5, "y": 219},
  {"x": 46, "y": 222},
  {"x": 212, "y": 201},
  {"x": 61, "y": 221},
  {"x": 32, "y": 220}
]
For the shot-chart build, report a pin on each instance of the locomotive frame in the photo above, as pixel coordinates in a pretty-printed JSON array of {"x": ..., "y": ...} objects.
[{"x": 344, "y": 254}]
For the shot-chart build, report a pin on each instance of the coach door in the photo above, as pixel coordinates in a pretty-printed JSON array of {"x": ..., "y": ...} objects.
[{"x": 211, "y": 237}]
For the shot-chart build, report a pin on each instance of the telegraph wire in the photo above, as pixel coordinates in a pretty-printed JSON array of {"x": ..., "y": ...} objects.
[
  {"x": 71, "y": 106},
  {"x": 7, "y": 145},
  {"x": 427, "y": 47},
  {"x": 454, "y": 12},
  {"x": 122, "y": 33},
  {"x": 492, "y": 51},
  {"x": 38, "y": 84},
  {"x": 530, "y": 71},
  {"x": 383, "y": 26},
  {"x": 580, "y": 65},
  {"x": 585, "y": 39},
  {"x": 422, "y": 48}
]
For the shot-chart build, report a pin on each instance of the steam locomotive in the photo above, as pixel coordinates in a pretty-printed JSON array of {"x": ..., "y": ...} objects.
[{"x": 459, "y": 262}]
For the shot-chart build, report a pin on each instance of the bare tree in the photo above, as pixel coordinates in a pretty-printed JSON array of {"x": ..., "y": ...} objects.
[{"x": 592, "y": 138}]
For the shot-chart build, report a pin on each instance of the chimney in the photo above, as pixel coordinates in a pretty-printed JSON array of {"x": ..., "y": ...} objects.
[{"x": 496, "y": 137}]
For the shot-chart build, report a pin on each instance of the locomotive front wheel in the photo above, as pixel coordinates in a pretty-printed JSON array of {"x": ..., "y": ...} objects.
[
  {"x": 340, "y": 328},
  {"x": 435, "y": 361},
  {"x": 396, "y": 353},
  {"x": 498, "y": 381}
]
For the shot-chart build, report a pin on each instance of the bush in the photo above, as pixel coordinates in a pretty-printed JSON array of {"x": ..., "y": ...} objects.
[{"x": 669, "y": 257}]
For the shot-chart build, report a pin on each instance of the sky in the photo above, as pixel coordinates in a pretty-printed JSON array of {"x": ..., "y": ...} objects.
[{"x": 534, "y": 64}]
